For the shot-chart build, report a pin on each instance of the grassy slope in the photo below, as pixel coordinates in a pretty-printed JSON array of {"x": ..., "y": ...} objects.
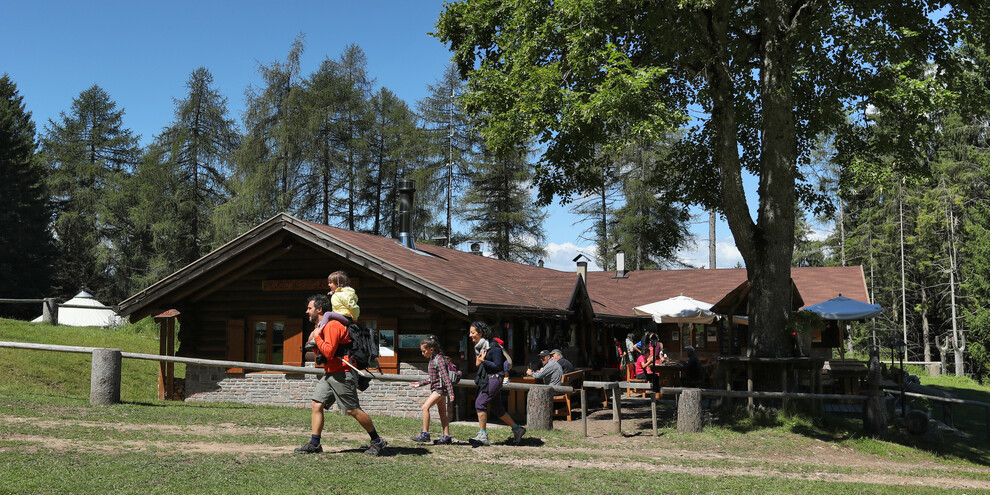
[{"x": 52, "y": 390}]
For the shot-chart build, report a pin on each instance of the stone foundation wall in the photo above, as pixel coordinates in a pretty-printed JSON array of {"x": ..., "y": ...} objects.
[{"x": 212, "y": 384}]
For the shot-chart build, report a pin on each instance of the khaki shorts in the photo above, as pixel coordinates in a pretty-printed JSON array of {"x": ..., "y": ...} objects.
[{"x": 337, "y": 387}]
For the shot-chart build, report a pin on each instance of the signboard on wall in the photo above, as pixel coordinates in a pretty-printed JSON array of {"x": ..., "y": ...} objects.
[
  {"x": 315, "y": 285},
  {"x": 306, "y": 284},
  {"x": 411, "y": 340}
]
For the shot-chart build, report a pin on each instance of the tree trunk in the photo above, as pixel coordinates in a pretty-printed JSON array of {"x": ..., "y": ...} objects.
[
  {"x": 689, "y": 411},
  {"x": 539, "y": 408},
  {"x": 768, "y": 245}
]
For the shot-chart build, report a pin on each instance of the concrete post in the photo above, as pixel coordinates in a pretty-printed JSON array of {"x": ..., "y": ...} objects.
[
  {"x": 104, "y": 386},
  {"x": 49, "y": 311}
]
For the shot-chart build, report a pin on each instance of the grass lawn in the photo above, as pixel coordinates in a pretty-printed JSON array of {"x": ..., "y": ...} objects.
[{"x": 53, "y": 441}]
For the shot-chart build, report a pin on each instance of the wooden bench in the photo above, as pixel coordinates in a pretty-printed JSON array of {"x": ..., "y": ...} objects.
[{"x": 572, "y": 379}]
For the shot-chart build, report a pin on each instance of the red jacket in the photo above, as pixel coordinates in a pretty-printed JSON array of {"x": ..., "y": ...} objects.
[{"x": 327, "y": 340}]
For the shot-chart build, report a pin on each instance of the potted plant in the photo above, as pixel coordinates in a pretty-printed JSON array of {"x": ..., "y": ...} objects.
[{"x": 802, "y": 325}]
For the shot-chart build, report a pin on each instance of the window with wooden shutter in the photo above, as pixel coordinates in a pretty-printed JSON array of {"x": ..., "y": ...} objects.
[
  {"x": 292, "y": 346},
  {"x": 235, "y": 343}
]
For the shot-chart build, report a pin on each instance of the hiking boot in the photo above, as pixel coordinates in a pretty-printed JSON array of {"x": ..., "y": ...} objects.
[
  {"x": 517, "y": 434},
  {"x": 377, "y": 448},
  {"x": 480, "y": 439},
  {"x": 422, "y": 437},
  {"x": 309, "y": 448},
  {"x": 444, "y": 440}
]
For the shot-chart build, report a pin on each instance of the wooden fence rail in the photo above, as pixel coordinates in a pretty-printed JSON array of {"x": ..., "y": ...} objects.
[
  {"x": 106, "y": 368},
  {"x": 49, "y": 308},
  {"x": 947, "y": 403}
]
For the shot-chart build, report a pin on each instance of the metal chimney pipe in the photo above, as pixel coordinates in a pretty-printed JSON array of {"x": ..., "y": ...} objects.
[
  {"x": 620, "y": 264},
  {"x": 407, "y": 188}
]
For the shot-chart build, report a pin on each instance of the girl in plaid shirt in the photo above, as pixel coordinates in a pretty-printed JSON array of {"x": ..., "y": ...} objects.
[{"x": 441, "y": 390}]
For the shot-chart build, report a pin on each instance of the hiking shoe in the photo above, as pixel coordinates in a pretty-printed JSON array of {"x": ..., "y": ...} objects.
[
  {"x": 377, "y": 448},
  {"x": 444, "y": 440},
  {"x": 517, "y": 434},
  {"x": 309, "y": 448},
  {"x": 480, "y": 439},
  {"x": 422, "y": 437}
]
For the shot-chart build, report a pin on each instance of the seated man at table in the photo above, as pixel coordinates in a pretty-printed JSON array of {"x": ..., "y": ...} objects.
[
  {"x": 692, "y": 368},
  {"x": 551, "y": 372},
  {"x": 565, "y": 365}
]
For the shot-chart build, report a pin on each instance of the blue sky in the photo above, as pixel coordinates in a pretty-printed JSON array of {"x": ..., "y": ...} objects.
[{"x": 142, "y": 53}]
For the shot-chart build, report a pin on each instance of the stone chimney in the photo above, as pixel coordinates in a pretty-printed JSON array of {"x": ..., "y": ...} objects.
[{"x": 582, "y": 266}]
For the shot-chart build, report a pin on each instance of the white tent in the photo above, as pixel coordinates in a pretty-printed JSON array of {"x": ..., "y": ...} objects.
[
  {"x": 85, "y": 311},
  {"x": 680, "y": 309},
  {"x": 843, "y": 308}
]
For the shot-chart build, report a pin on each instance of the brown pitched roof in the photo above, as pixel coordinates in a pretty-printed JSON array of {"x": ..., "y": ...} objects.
[{"x": 466, "y": 282}]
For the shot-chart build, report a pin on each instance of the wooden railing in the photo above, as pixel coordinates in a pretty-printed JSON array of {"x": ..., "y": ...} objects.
[{"x": 105, "y": 376}]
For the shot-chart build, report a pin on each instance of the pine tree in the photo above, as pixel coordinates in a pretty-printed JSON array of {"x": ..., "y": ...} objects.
[
  {"x": 454, "y": 148},
  {"x": 500, "y": 208},
  {"x": 395, "y": 144},
  {"x": 26, "y": 246},
  {"x": 183, "y": 178},
  {"x": 90, "y": 155},
  {"x": 269, "y": 176}
]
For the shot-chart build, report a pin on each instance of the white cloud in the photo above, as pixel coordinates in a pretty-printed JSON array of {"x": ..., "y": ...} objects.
[
  {"x": 726, "y": 254},
  {"x": 561, "y": 256}
]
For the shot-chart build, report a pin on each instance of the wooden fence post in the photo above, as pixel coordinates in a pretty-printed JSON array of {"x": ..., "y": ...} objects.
[
  {"x": 616, "y": 410},
  {"x": 689, "y": 410},
  {"x": 584, "y": 412},
  {"x": 947, "y": 414},
  {"x": 104, "y": 385},
  {"x": 539, "y": 408}
]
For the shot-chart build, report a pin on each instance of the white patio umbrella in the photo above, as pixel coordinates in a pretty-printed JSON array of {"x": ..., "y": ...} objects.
[
  {"x": 844, "y": 309},
  {"x": 680, "y": 310}
]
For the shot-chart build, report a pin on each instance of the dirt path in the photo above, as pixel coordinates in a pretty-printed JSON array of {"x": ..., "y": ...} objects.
[{"x": 817, "y": 463}]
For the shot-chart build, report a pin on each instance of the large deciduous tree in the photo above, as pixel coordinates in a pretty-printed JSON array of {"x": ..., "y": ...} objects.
[
  {"x": 767, "y": 78},
  {"x": 26, "y": 248}
]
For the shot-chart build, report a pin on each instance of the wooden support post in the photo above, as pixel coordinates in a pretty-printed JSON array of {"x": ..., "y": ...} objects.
[
  {"x": 584, "y": 412},
  {"x": 749, "y": 386},
  {"x": 616, "y": 410},
  {"x": 947, "y": 414},
  {"x": 653, "y": 408},
  {"x": 875, "y": 410},
  {"x": 689, "y": 411},
  {"x": 104, "y": 384},
  {"x": 783, "y": 387}
]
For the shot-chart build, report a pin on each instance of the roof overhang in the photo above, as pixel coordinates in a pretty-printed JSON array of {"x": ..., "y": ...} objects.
[{"x": 265, "y": 242}]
